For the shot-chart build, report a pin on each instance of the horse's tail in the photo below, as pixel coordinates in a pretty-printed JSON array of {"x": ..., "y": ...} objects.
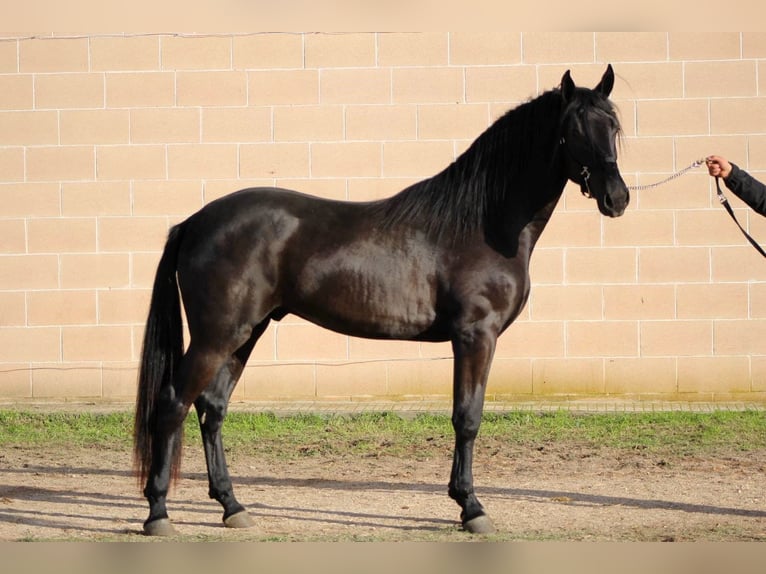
[{"x": 161, "y": 352}]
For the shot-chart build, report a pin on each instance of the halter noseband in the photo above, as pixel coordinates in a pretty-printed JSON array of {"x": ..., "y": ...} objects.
[{"x": 584, "y": 169}]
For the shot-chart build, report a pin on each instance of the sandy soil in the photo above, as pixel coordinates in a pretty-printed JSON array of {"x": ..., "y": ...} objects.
[{"x": 542, "y": 493}]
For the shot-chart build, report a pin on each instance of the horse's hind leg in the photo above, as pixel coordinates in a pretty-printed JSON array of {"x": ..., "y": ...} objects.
[
  {"x": 196, "y": 370},
  {"x": 211, "y": 408}
]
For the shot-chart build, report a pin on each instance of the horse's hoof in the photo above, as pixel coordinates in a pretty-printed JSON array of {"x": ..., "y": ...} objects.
[
  {"x": 159, "y": 527},
  {"x": 479, "y": 525},
  {"x": 239, "y": 520}
]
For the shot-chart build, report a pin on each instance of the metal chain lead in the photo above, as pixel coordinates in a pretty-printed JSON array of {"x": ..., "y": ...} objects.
[{"x": 693, "y": 165}]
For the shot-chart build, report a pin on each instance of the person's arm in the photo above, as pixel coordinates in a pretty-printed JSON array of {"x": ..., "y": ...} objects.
[{"x": 741, "y": 183}]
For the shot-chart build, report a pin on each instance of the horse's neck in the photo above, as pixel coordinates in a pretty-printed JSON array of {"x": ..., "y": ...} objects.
[{"x": 524, "y": 220}]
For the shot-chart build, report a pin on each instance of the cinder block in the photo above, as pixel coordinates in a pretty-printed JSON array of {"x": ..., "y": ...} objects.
[
  {"x": 413, "y": 49},
  {"x": 714, "y": 374},
  {"x": 65, "y": 307},
  {"x": 30, "y": 344},
  {"x": 568, "y": 377},
  {"x": 382, "y": 122},
  {"x": 131, "y": 162},
  {"x": 16, "y": 381},
  {"x": 416, "y": 159},
  {"x": 308, "y": 123},
  {"x": 264, "y": 51},
  {"x": 94, "y": 271},
  {"x": 9, "y": 57},
  {"x": 352, "y": 380},
  {"x": 77, "y": 380},
  {"x": 202, "y": 161},
  {"x": 420, "y": 378},
  {"x": 13, "y": 236},
  {"x": 70, "y": 163},
  {"x": 601, "y": 265},
  {"x": 310, "y": 343},
  {"x": 12, "y": 164},
  {"x": 641, "y": 376},
  {"x": 129, "y": 53},
  {"x": 553, "y": 47},
  {"x": 672, "y": 117},
  {"x": 80, "y": 199},
  {"x": 158, "y": 198},
  {"x": 165, "y": 125},
  {"x": 126, "y": 234},
  {"x": 211, "y": 88},
  {"x": 123, "y": 306},
  {"x": 57, "y": 91},
  {"x": 704, "y": 45},
  {"x": 452, "y": 121},
  {"x": 676, "y": 338},
  {"x": 602, "y": 339},
  {"x": 274, "y": 160},
  {"x": 640, "y": 228},
  {"x": 510, "y": 378},
  {"x": 639, "y": 302},
  {"x": 673, "y": 264},
  {"x": 25, "y": 128},
  {"x": 703, "y": 79},
  {"x": 282, "y": 381},
  {"x": 740, "y": 336},
  {"x": 355, "y": 86},
  {"x": 61, "y": 235},
  {"x": 13, "y": 309},
  {"x": 484, "y": 48},
  {"x": 712, "y": 301},
  {"x": 119, "y": 381},
  {"x": 350, "y": 159},
  {"x": 500, "y": 84},
  {"x": 531, "y": 340},
  {"x": 236, "y": 125},
  {"x": 16, "y": 92},
  {"x": 195, "y": 53},
  {"x": 631, "y": 46},
  {"x": 94, "y": 127},
  {"x": 139, "y": 89},
  {"x": 96, "y": 343},
  {"x": 44, "y": 55},
  {"x": 427, "y": 85},
  {"x": 283, "y": 87},
  {"x": 565, "y": 303},
  {"x": 29, "y": 272},
  {"x": 339, "y": 50}
]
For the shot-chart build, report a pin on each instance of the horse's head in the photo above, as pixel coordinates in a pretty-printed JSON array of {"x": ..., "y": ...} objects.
[{"x": 589, "y": 133}]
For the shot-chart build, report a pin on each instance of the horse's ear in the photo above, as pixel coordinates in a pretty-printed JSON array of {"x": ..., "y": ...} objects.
[
  {"x": 567, "y": 86},
  {"x": 607, "y": 82}
]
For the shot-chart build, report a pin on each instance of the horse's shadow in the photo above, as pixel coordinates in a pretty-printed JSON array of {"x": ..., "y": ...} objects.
[{"x": 15, "y": 502}]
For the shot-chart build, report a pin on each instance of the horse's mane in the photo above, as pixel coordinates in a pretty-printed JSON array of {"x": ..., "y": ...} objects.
[{"x": 508, "y": 156}]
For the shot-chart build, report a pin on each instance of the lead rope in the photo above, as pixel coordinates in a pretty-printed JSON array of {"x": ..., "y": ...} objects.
[
  {"x": 730, "y": 211},
  {"x": 690, "y": 167},
  {"x": 721, "y": 198}
]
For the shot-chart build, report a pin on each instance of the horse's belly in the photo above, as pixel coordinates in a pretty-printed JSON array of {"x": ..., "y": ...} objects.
[{"x": 379, "y": 296}]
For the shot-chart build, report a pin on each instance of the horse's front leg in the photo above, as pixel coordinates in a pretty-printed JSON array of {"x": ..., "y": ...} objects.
[{"x": 473, "y": 357}]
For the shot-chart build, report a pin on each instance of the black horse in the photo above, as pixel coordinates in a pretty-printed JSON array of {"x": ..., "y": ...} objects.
[{"x": 446, "y": 259}]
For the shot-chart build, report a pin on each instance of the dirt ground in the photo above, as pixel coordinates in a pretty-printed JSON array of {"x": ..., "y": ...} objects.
[{"x": 541, "y": 493}]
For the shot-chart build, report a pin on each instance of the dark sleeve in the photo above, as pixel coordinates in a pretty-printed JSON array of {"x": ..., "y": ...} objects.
[{"x": 747, "y": 188}]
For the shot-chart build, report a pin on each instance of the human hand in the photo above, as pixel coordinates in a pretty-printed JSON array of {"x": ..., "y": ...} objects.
[{"x": 717, "y": 166}]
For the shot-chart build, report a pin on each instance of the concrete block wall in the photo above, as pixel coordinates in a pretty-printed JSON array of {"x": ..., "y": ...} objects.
[{"x": 107, "y": 140}]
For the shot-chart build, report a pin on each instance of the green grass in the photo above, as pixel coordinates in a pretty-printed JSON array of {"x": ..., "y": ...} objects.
[{"x": 423, "y": 436}]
